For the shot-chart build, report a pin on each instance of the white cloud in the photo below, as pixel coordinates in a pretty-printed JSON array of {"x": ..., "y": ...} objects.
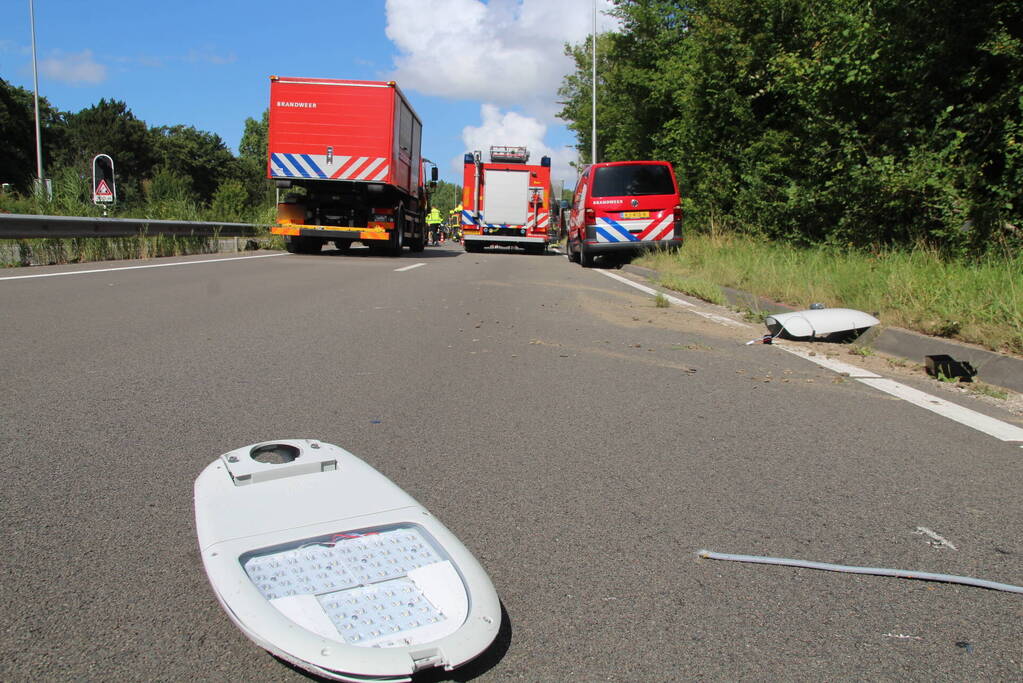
[
  {"x": 506, "y": 54},
  {"x": 509, "y": 52},
  {"x": 516, "y": 130},
  {"x": 75, "y": 68}
]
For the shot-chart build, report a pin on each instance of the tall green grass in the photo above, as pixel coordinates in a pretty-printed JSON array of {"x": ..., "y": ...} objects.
[{"x": 978, "y": 301}]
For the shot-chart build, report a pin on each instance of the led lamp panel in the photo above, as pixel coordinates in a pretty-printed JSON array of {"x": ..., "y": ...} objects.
[
  {"x": 378, "y": 588},
  {"x": 327, "y": 564}
]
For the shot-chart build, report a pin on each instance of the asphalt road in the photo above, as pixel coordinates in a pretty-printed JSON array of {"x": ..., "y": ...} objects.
[{"x": 583, "y": 443}]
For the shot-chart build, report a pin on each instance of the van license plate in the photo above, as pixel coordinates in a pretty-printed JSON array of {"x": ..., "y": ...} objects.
[{"x": 635, "y": 214}]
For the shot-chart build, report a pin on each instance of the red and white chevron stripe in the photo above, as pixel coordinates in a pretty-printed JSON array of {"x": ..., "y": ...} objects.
[{"x": 360, "y": 168}]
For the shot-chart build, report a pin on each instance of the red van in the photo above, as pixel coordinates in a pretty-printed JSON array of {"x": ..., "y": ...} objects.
[{"x": 621, "y": 207}]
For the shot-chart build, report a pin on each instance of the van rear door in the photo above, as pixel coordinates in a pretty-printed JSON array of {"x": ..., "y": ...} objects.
[{"x": 634, "y": 202}]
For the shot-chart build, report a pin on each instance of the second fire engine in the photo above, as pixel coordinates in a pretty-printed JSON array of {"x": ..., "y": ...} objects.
[{"x": 506, "y": 202}]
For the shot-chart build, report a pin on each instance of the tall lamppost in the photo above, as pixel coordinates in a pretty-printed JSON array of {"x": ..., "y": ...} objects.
[
  {"x": 593, "y": 113},
  {"x": 35, "y": 81}
]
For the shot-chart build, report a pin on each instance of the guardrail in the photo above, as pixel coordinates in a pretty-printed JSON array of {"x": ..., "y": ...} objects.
[{"x": 15, "y": 226}]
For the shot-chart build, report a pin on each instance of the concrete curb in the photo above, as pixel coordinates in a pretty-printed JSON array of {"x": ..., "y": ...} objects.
[{"x": 993, "y": 368}]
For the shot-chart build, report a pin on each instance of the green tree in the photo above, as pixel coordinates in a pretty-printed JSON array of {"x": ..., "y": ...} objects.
[
  {"x": 253, "y": 144},
  {"x": 252, "y": 154},
  {"x": 230, "y": 201},
  {"x": 18, "y": 141},
  {"x": 110, "y": 127},
  {"x": 446, "y": 197},
  {"x": 200, "y": 156},
  {"x": 887, "y": 122}
]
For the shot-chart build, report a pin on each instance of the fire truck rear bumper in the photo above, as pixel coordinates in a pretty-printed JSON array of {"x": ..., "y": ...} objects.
[
  {"x": 510, "y": 239},
  {"x": 332, "y": 232}
]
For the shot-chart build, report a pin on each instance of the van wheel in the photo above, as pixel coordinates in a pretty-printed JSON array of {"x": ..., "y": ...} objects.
[
  {"x": 572, "y": 255},
  {"x": 585, "y": 257}
]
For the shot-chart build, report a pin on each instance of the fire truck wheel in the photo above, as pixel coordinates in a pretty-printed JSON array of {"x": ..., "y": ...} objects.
[
  {"x": 418, "y": 243},
  {"x": 585, "y": 257},
  {"x": 343, "y": 245},
  {"x": 398, "y": 237},
  {"x": 303, "y": 245}
]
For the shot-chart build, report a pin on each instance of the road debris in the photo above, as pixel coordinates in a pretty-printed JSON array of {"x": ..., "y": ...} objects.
[
  {"x": 819, "y": 323},
  {"x": 876, "y": 571},
  {"x": 936, "y": 540}
]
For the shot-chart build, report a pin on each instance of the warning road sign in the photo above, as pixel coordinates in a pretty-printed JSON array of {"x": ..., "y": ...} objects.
[{"x": 104, "y": 190}]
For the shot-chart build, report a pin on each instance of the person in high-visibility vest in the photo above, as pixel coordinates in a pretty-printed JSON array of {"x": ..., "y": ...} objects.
[
  {"x": 455, "y": 223},
  {"x": 434, "y": 219}
]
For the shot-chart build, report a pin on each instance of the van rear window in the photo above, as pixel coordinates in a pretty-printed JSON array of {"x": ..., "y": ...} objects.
[{"x": 632, "y": 180}]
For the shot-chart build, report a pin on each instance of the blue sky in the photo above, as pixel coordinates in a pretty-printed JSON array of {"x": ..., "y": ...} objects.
[{"x": 478, "y": 73}]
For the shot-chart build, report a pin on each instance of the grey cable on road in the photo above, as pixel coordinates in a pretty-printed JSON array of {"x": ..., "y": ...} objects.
[{"x": 877, "y": 571}]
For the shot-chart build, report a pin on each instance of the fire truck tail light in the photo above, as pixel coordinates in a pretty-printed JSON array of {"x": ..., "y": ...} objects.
[
  {"x": 591, "y": 216},
  {"x": 678, "y": 214}
]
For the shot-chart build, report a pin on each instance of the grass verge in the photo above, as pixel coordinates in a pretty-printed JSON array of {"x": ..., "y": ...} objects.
[{"x": 979, "y": 302}]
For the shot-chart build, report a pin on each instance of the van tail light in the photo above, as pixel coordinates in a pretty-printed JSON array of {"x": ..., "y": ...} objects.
[
  {"x": 678, "y": 221},
  {"x": 591, "y": 216}
]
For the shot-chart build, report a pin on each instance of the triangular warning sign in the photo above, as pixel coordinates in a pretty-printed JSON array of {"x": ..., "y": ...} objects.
[{"x": 103, "y": 190}]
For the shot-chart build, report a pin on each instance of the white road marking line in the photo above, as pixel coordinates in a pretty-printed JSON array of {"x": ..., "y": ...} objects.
[
  {"x": 150, "y": 265},
  {"x": 938, "y": 541},
  {"x": 414, "y": 265},
  {"x": 675, "y": 300},
  {"x": 1003, "y": 431}
]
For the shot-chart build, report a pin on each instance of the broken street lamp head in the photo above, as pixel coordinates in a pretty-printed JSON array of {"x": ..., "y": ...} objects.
[
  {"x": 819, "y": 323},
  {"x": 356, "y": 582}
]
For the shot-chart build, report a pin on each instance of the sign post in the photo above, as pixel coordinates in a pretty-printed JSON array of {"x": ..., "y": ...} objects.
[{"x": 104, "y": 191}]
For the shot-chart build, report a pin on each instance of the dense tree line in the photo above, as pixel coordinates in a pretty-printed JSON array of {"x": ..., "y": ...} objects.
[
  {"x": 821, "y": 121},
  {"x": 153, "y": 163}
]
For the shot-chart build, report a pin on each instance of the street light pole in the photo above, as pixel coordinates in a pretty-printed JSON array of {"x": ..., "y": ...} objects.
[
  {"x": 593, "y": 113},
  {"x": 35, "y": 81}
]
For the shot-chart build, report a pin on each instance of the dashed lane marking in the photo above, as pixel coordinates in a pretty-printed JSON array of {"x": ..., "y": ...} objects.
[{"x": 414, "y": 265}]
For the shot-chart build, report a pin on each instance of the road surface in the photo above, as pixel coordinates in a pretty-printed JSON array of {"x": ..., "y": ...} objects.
[{"x": 583, "y": 443}]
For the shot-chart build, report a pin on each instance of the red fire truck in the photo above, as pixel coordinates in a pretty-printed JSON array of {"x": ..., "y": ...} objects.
[
  {"x": 347, "y": 155},
  {"x": 506, "y": 201}
]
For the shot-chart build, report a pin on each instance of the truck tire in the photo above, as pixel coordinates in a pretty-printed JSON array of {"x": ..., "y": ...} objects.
[
  {"x": 302, "y": 245},
  {"x": 418, "y": 241},
  {"x": 343, "y": 245},
  {"x": 573, "y": 255},
  {"x": 397, "y": 241}
]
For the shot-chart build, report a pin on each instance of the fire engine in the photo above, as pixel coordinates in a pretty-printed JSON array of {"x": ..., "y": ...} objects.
[
  {"x": 348, "y": 155},
  {"x": 505, "y": 201}
]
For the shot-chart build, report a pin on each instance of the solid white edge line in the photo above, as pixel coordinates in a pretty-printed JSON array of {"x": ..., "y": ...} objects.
[
  {"x": 414, "y": 265},
  {"x": 675, "y": 300},
  {"x": 149, "y": 265},
  {"x": 1003, "y": 431}
]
